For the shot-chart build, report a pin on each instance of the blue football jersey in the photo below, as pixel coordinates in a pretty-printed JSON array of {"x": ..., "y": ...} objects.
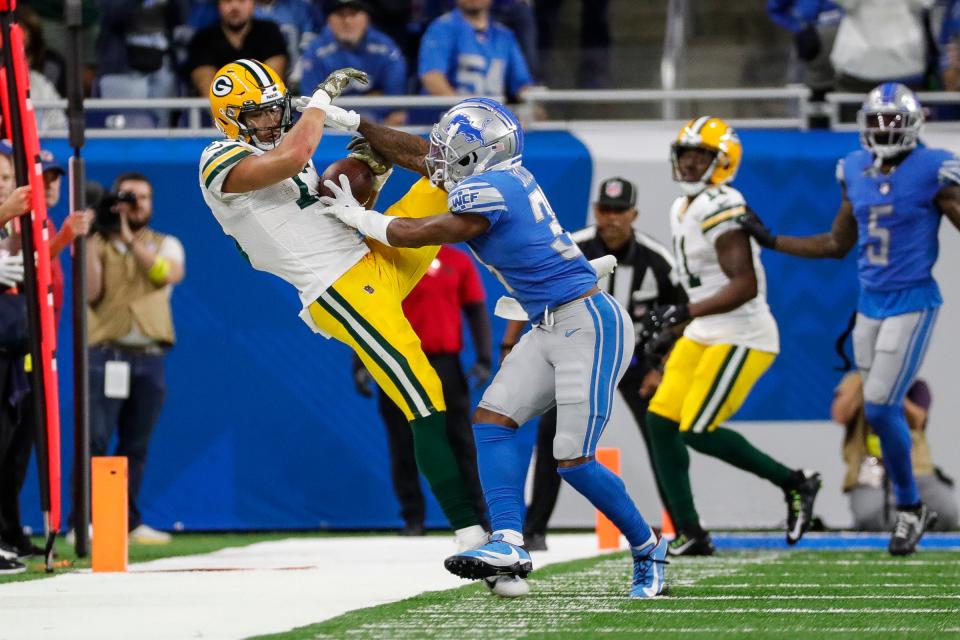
[
  {"x": 477, "y": 63},
  {"x": 897, "y": 226},
  {"x": 524, "y": 247}
]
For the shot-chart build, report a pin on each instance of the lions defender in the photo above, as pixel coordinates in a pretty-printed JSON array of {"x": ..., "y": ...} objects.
[
  {"x": 731, "y": 341},
  {"x": 894, "y": 193},
  {"x": 578, "y": 350}
]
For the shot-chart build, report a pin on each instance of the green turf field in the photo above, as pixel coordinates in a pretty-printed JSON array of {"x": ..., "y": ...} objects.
[{"x": 757, "y": 594}]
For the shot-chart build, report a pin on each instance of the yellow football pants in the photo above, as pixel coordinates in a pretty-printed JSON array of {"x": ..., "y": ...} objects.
[
  {"x": 703, "y": 385},
  {"x": 363, "y": 309}
]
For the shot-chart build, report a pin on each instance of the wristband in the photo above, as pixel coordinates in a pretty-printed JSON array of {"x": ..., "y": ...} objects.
[
  {"x": 374, "y": 225},
  {"x": 159, "y": 271}
]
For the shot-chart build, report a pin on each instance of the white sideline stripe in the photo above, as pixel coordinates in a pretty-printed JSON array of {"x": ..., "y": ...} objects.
[{"x": 150, "y": 602}]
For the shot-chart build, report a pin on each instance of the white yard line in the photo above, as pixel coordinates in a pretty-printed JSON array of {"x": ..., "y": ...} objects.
[{"x": 266, "y": 587}]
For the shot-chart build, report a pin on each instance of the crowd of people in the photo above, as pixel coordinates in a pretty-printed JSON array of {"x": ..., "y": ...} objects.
[{"x": 171, "y": 48}]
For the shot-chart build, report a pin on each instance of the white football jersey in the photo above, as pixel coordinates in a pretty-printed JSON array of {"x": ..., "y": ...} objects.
[
  {"x": 281, "y": 229},
  {"x": 696, "y": 226}
]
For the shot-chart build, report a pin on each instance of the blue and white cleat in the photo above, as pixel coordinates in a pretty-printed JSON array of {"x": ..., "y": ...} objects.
[
  {"x": 495, "y": 558},
  {"x": 648, "y": 570}
]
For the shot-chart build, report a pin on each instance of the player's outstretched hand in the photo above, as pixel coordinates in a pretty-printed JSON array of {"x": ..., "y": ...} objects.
[
  {"x": 342, "y": 193},
  {"x": 752, "y": 224},
  {"x": 337, "y": 81},
  {"x": 361, "y": 150},
  {"x": 662, "y": 317},
  {"x": 11, "y": 269}
]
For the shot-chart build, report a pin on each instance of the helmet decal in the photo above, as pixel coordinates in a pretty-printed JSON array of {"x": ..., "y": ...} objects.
[
  {"x": 221, "y": 86},
  {"x": 461, "y": 124}
]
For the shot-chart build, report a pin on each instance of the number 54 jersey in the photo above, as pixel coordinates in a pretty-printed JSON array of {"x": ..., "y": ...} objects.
[
  {"x": 897, "y": 226},
  {"x": 281, "y": 229},
  {"x": 696, "y": 225}
]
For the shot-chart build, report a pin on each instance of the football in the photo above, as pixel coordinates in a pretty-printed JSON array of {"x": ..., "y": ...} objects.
[{"x": 358, "y": 173}]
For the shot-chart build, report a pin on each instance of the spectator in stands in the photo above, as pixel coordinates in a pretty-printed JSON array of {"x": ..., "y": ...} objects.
[
  {"x": 131, "y": 270},
  {"x": 56, "y": 35},
  {"x": 645, "y": 278},
  {"x": 136, "y": 57},
  {"x": 880, "y": 41},
  {"x": 348, "y": 40},
  {"x": 299, "y": 21},
  {"x": 466, "y": 52},
  {"x": 237, "y": 35},
  {"x": 950, "y": 47},
  {"x": 871, "y": 500},
  {"x": 813, "y": 24},
  {"x": 450, "y": 287},
  {"x": 518, "y": 15},
  {"x": 593, "y": 71},
  {"x": 42, "y": 87}
]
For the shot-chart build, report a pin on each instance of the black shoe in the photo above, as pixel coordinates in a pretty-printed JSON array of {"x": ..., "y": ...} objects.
[
  {"x": 535, "y": 542},
  {"x": 7, "y": 551},
  {"x": 26, "y": 550},
  {"x": 698, "y": 544},
  {"x": 910, "y": 526},
  {"x": 413, "y": 529},
  {"x": 800, "y": 499},
  {"x": 10, "y": 567}
]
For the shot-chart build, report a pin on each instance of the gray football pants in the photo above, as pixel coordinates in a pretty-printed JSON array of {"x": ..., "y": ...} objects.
[
  {"x": 574, "y": 360},
  {"x": 889, "y": 353}
]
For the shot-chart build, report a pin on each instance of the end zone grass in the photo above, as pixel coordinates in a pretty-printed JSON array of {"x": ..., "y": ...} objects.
[{"x": 762, "y": 594}]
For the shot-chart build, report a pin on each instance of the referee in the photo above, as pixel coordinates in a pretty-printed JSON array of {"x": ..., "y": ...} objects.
[{"x": 645, "y": 277}]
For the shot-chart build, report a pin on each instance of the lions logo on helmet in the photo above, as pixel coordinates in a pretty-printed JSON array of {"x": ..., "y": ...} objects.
[
  {"x": 715, "y": 135},
  {"x": 474, "y": 136},
  {"x": 244, "y": 88},
  {"x": 890, "y": 120}
]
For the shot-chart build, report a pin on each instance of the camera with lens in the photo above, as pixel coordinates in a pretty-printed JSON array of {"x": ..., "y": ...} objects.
[{"x": 107, "y": 218}]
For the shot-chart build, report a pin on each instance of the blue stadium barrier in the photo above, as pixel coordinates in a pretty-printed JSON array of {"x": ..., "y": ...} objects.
[
  {"x": 262, "y": 428},
  {"x": 827, "y": 541}
]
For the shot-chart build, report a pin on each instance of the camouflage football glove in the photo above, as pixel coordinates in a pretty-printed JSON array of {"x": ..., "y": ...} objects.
[
  {"x": 338, "y": 80},
  {"x": 360, "y": 149},
  {"x": 752, "y": 224}
]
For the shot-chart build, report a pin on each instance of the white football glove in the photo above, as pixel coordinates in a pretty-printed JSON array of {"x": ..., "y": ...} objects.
[
  {"x": 338, "y": 118},
  {"x": 345, "y": 208},
  {"x": 11, "y": 269}
]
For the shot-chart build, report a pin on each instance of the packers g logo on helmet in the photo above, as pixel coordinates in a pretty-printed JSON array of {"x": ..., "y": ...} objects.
[
  {"x": 712, "y": 134},
  {"x": 247, "y": 85}
]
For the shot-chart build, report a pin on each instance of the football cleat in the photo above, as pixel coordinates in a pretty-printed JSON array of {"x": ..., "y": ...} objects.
[
  {"x": 507, "y": 586},
  {"x": 495, "y": 558},
  {"x": 648, "y": 570},
  {"x": 910, "y": 526},
  {"x": 800, "y": 501},
  {"x": 692, "y": 545}
]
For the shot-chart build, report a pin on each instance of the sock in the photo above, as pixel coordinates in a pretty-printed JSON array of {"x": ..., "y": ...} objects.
[
  {"x": 731, "y": 447},
  {"x": 470, "y": 537},
  {"x": 605, "y": 491},
  {"x": 435, "y": 459},
  {"x": 502, "y": 472},
  {"x": 672, "y": 464},
  {"x": 890, "y": 424}
]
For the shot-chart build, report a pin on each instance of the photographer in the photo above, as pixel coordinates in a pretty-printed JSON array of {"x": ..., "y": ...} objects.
[{"x": 131, "y": 270}]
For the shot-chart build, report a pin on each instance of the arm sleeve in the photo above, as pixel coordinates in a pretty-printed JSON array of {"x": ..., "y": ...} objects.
[
  {"x": 172, "y": 249},
  {"x": 518, "y": 73},
  {"x": 436, "y": 50},
  {"x": 949, "y": 173},
  {"x": 477, "y": 197},
  {"x": 723, "y": 217}
]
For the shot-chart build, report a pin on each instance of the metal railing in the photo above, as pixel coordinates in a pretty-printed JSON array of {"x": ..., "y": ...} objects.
[{"x": 535, "y": 109}]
